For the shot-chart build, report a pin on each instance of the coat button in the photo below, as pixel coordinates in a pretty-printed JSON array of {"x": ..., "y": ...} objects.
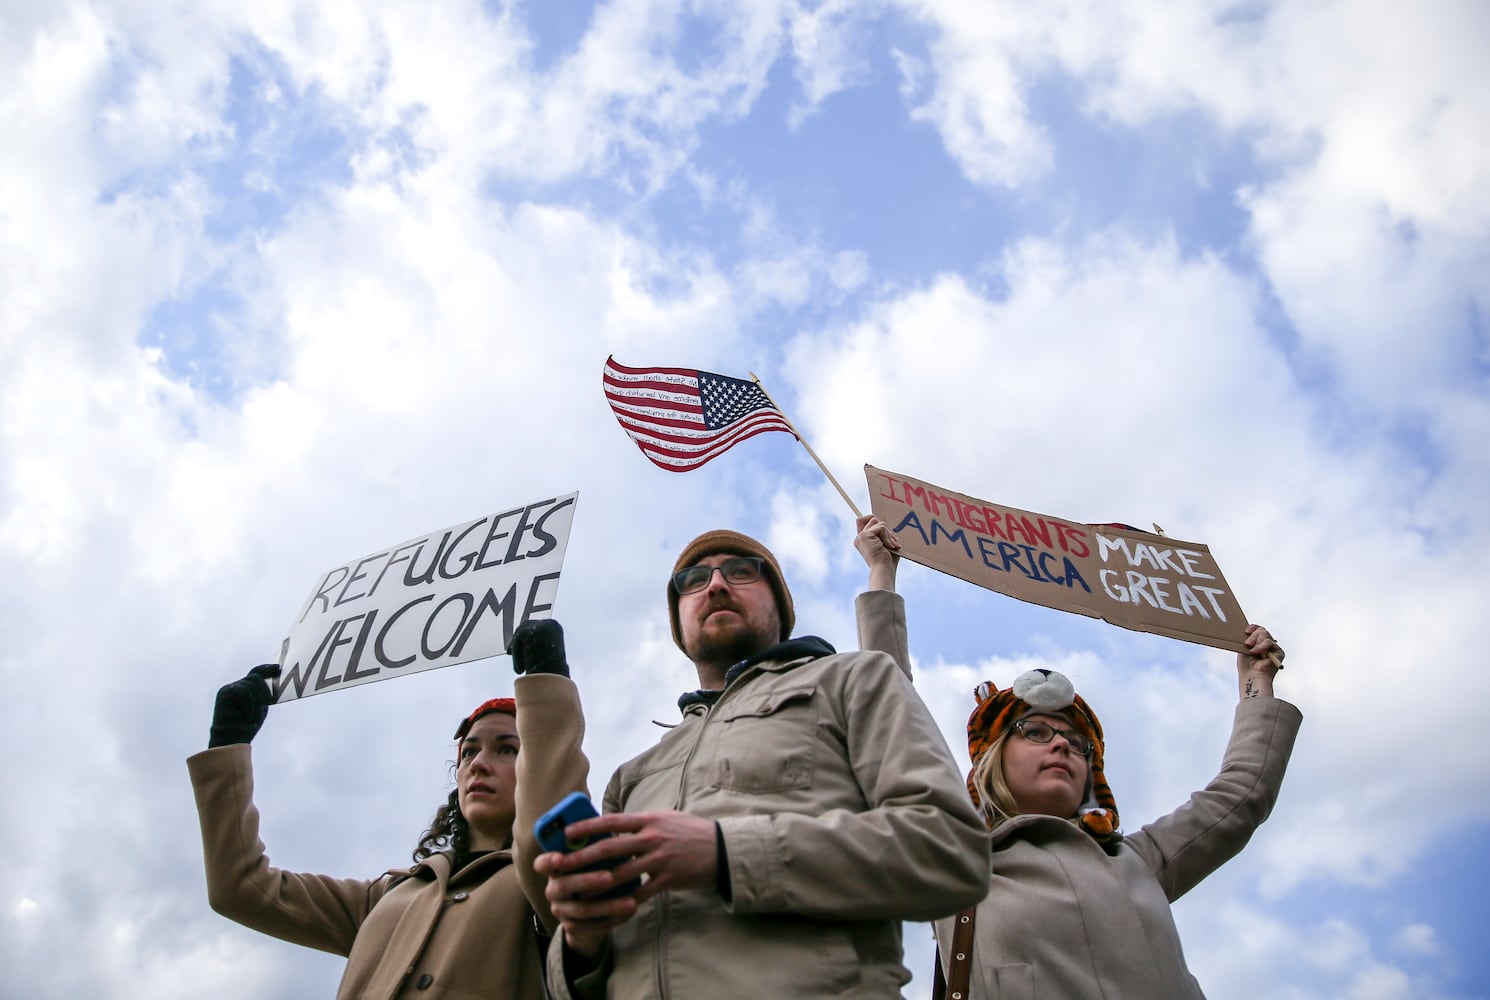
[
  {"x": 460, "y": 896},
  {"x": 425, "y": 981}
]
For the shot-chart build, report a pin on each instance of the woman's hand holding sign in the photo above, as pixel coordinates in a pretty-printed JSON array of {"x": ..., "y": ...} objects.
[
  {"x": 242, "y": 706},
  {"x": 880, "y": 549},
  {"x": 1256, "y": 667}
]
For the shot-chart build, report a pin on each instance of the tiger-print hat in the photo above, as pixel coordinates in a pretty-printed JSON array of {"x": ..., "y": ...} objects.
[{"x": 1046, "y": 692}]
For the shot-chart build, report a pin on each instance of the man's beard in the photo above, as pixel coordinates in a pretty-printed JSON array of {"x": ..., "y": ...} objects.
[
  {"x": 728, "y": 647},
  {"x": 731, "y": 645}
]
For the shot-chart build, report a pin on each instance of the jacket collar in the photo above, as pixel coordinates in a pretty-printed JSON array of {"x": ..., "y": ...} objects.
[
  {"x": 440, "y": 866},
  {"x": 781, "y": 656},
  {"x": 1019, "y": 827}
]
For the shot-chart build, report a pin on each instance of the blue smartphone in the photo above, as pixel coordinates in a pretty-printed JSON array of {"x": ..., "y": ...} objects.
[{"x": 552, "y": 836}]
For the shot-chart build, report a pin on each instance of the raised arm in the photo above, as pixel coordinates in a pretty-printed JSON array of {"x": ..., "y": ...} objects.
[
  {"x": 880, "y": 549},
  {"x": 312, "y": 910},
  {"x": 1216, "y": 823},
  {"x": 879, "y": 610},
  {"x": 551, "y": 762}
]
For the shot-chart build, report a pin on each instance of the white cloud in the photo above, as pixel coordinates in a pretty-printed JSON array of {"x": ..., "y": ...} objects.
[
  {"x": 1372, "y": 231},
  {"x": 828, "y": 49},
  {"x": 1236, "y": 950},
  {"x": 625, "y": 100},
  {"x": 1105, "y": 346},
  {"x": 1417, "y": 939},
  {"x": 1384, "y": 302},
  {"x": 978, "y": 102}
]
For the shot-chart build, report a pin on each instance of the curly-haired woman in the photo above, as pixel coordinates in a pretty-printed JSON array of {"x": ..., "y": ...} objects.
[{"x": 469, "y": 917}]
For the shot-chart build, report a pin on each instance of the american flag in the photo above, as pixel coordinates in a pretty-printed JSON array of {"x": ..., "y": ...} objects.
[{"x": 682, "y": 417}]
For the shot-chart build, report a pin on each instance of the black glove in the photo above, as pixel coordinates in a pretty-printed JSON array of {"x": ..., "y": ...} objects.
[
  {"x": 242, "y": 707},
  {"x": 537, "y": 647}
]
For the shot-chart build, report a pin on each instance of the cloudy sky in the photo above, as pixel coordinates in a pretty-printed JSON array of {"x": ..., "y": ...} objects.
[{"x": 287, "y": 282}]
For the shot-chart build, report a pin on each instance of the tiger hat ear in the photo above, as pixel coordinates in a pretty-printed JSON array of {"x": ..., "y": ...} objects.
[
  {"x": 1044, "y": 690},
  {"x": 984, "y": 725}
]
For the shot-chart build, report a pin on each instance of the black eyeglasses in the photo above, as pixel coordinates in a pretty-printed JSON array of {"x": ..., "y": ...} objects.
[
  {"x": 1040, "y": 732},
  {"x": 736, "y": 570}
]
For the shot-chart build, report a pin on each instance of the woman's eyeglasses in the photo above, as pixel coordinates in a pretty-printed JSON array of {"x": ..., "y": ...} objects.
[
  {"x": 1039, "y": 732},
  {"x": 736, "y": 570}
]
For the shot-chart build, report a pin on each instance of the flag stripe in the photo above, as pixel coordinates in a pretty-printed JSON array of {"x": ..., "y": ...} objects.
[
  {"x": 615, "y": 369},
  {"x": 658, "y": 390},
  {"x": 636, "y": 383},
  {"x": 681, "y": 440},
  {"x": 656, "y": 424},
  {"x": 702, "y": 452},
  {"x": 685, "y": 461},
  {"x": 647, "y": 406}
]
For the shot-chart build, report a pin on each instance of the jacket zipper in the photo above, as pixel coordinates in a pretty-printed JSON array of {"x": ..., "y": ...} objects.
[{"x": 662, "y": 900}]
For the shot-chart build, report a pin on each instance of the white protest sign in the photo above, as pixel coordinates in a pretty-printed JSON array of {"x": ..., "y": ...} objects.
[{"x": 445, "y": 598}]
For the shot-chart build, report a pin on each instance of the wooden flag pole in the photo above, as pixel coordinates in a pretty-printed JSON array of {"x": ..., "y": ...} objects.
[{"x": 851, "y": 505}]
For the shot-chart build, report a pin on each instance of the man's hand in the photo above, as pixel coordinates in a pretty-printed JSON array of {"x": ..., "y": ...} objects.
[
  {"x": 242, "y": 707},
  {"x": 584, "y": 920},
  {"x": 673, "y": 850},
  {"x": 880, "y": 549}
]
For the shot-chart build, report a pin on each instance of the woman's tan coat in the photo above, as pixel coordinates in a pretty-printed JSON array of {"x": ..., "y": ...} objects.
[{"x": 416, "y": 932}]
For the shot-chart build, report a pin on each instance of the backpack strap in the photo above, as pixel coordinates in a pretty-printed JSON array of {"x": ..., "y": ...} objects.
[{"x": 954, "y": 986}]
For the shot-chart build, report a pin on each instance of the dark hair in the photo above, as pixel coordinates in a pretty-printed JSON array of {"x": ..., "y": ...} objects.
[{"x": 447, "y": 829}]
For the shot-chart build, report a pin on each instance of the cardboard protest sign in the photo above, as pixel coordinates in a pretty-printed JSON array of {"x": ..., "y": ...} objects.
[
  {"x": 1138, "y": 580},
  {"x": 448, "y": 597}
]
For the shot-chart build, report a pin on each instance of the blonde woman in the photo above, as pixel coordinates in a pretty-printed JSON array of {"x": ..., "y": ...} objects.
[{"x": 1075, "y": 908}]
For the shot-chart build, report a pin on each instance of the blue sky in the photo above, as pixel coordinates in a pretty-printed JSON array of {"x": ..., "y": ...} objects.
[{"x": 285, "y": 285}]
